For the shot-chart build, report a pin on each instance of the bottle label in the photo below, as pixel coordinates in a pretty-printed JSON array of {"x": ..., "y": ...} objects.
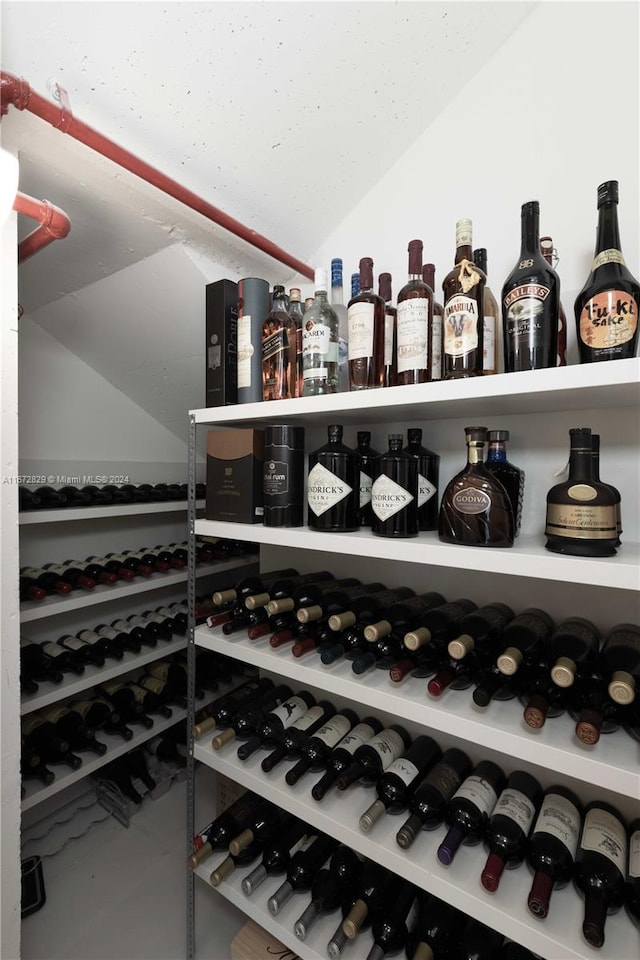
[
  {"x": 82, "y": 707},
  {"x": 524, "y": 311},
  {"x": 360, "y": 318},
  {"x": 560, "y": 818},
  {"x": 468, "y": 500},
  {"x": 138, "y": 692},
  {"x": 608, "y": 256},
  {"x": 404, "y": 769},
  {"x": 72, "y": 643},
  {"x": 52, "y": 649},
  {"x": 119, "y": 557},
  {"x": 436, "y": 347},
  {"x": 275, "y": 477},
  {"x": 31, "y": 723},
  {"x": 123, "y": 626},
  {"x": 603, "y": 833},
  {"x": 325, "y": 490},
  {"x": 153, "y": 684},
  {"x": 581, "y": 521},
  {"x": 480, "y": 792},
  {"x": 388, "y": 497},
  {"x": 365, "y": 489},
  {"x": 634, "y": 855},
  {"x": 517, "y": 807},
  {"x": 445, "y": 779},
  {"x": 290, "y": 711},
  {"x": 608, "y": 319},
  {"x": 359, "y": 735},
  {"x": 489, "y": 343},
  {"x": 388, "y": 745},
  {"x": 309, "y": 718},
  {"x": 333, "y": 731},
  {"x": 55, "y": 568},
  {"x": 460, "y": 326},
  {"x": 160, "y": 671},
  {"x": 316, "y": 341},
  {"x": 412, "y": 334},
  {"x": 30, "y": 572},
  {"x": 88, "y": 636},
  {"x": 53, "y": 714},
  {"x": 113, "y": 686},
  {"x": 582, "y": 492},
  {"x": 389, "y": 325},
  {"x": 245, "y": 351},
  {"x": 274, "y": 344},
  {"x": 425, "y": 490}
]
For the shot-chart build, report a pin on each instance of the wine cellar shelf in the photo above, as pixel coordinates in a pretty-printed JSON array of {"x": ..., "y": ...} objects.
[{"x": 66, "y": 514}]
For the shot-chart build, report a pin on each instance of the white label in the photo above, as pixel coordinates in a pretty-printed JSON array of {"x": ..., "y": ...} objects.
[
  {"x": 489, "y": 343},
  {"x": 517, "y": 807},
  {"x": 123, "y": 626},
  {"x": 460, "y": 326},
  {"x": 479, "y": 792},
  {"x": 388, "y": 745},
  {"x": 290, "y": 711},
  {"x": 634, "y": 855},
  {"x": 245, "y": 351},
  {"x": 388, "y": 339},
  {"x": 153, "y": 684},
  {"x": 603, "y": 833},
  {"x": 388, "y": 497},
  {"x": 359, "y": 735},
  {"x": 53, "y": 714},
  {"x": 333, "y": 732},
  {"x": 308, "y": 719},
  {"x": 365, "y": 489},
  {"x": 360, "y": 320},
  {"x": 139, "y": 621},
  {"x": 560, "y": 818},
  {"x": 119, "y": 557},
  {"x": 425, "y": 490},
  {"x": 30, "y": 572},
  {"x": 412, "y": 334},
  {"x": 436, "y": 348},
  {"x": 112, "y": 687},
  {"x": 72, "y": 643},
  {"x": 404, "y": 769},
  {"x": 88, "y": 636},
  {"x": 155, "y": 617},
  {"x": 55, "y": 568},
  {"x": 316, "y": 340},
  {"x": 324, "y": 489},
  {"x": 52, "y": 649},
  {"x": 108, "y": 633},
  {"x": 138, "y": 692}
]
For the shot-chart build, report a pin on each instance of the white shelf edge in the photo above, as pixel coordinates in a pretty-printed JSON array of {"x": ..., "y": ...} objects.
[
  {"x": 32, "y": 610},
  {"x": 506, "y": 911},
  {"x": 53, "y": 692},
  {"x": 67, "y": 514},
  {"x": 611, "y": 764}
]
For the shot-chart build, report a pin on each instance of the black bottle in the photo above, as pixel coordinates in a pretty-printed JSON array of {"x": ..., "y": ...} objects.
[
  {"x": 475, "y": 644},
  {"x": 510, "y": 476},
  {"x": 478, "y": 942},
  {"x": 621, "y": 662},
  {"x": 525, "y": 638},
  {"x": 367, "y": 457},
  {"x": 401, "y": 617},
  {"x": 428, "y": 805},
  {"x": 301, "y": 870},
  {"x": 244, "y": 722},
  {"x": 374, "y": 890},
  {"x": 296, "y": 736},
  {"x": 399, "y": 781},
  {"x": 333, "y": 485},
  {"x": 509, "y": 826},
  {"x": 272, "y": 726},
  {"x": 283, "y": 476},
  {"x": 552, "y": 846},
  {"x": 633, "y": 873},
  {"x": 470, "y": 808},
  {"x": 222, "y": 710},
  {"x": 330, "y": 887},
  {"x": 317, "y": 750},
  {"x": 372, "y": 759},
  {"x": 601, "y": 867},
  {"x": 390, "y": 926},
  {"x": 243, "y": 859},
  {"x": 428, "y": 479},
  {"x": 437, "y": 928},
  {"x": 263, "y": 826},
  {"x": 394, "y": 494},
  {"x": 27, "y": 499},
  {"x": 595, "y": 474},
  {"x": 225, "y": 826},
  {"x": 276, "y": 855},
  {"x": 342, "y": 756}
]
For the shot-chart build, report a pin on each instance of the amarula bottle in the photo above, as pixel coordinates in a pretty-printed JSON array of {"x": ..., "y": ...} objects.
[
  {"x": 366, "y": 461},
  {"x": 463, "y": 322},
  {"x": 470, "y": 808},
  {"x": 333, "y": 485},
  {"x": 366, "y": 333},
  {"x": 601, "y": 867},
  {"x": 621, "y": 662},
  {"x": 509, "y": 826},
  {"x": 390, "y": 331},
  {"x": 296, "y": 312},
  {"x": 548, "y": 251},
  {"x": 279, "y": 354},
  {"x": 606, "y": 308},
  {"x": 337, "y": 302},
  {"x": 581, "y": 513},
  {"x": 510, "y": 476},
  {"x": 429, "y": 277},
  {"x": 320, "y": 343},
  {"x": 428, "y": 475},
  {"x": 530, "y": 298},
  {"x": 398, "y": 782},
  {"x": 414, "y": 323},
  {"x": 475, "y": 508},
  {"x": 552, "y": 846},
  {"x": 428, "y": 805},
  {"x": 394, "y": 494}
]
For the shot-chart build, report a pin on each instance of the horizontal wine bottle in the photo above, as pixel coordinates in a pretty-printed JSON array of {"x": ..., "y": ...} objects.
[
  {"x": 296, "y": 736},
  {"x": 271, "y": 728},
  {"x": 601, "y": 867},
  {"x": 470, "y": 808},
  {"x": 400, "y": 779},
  {"x": 552, "y": 846},
  {"x": 317, "y": 750},
  {"x": 276, "y": 856},
  {"x": 302, "y": 868},
  {"x": 374, "y": 757},
  {"x": 428, "y": 805},
  {"x": 509, "y": 826}
]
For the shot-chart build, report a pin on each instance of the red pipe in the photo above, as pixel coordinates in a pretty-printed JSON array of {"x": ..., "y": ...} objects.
[
  {"x": 54, "y": 224},
  {"x": 16, "y": 91}
]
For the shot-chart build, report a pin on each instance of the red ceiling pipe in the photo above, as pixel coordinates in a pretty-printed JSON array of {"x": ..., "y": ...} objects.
[
  {"x": 16, "y": 91},
  {"x": 54, "y": 224}
]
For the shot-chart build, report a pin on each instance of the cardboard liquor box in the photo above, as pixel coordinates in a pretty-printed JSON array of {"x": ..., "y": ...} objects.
[
  {"x": 221, "y": 349},
  {"x": 234, "y": 475},
  {"x": 253, "y": 942}
]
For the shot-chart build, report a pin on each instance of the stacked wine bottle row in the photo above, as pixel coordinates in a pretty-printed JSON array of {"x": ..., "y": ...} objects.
[
  {"x": 168, "y": 748},
  {"x": 334, "y": 879},
  {"x": 551, "y": 668},
  {"x": 514, "y": 817},
  {"x": 109, "y": 494}
]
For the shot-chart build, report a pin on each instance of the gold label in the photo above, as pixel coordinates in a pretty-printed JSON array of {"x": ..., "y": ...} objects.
[
  {"x": 581, "y": 522},
  {"x": 608, "y": 319},
  {"x": 582, "y": 491},
  {"x": 608, "y": 256}
]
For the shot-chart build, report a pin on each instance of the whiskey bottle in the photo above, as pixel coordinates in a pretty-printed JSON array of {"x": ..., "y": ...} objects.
[
  {"x": 548, "y": 251},
  {"x": 463, "y": 321},
  {"x": 581, "y": 513},
  {"x": 429, "y": 277},
  {"x": 530, "y": 298},
  {"x": 390, "y": 331},
  {"x": 253, "y": 307},
  {"x": 510, "y": 476},
  {"x": 414, "y": 323},
  {"x": 337, "y": 302},
  {"x": 279, "y": 360},
  {"x": 320, "y": 343},
  {"x": 296, "y": 312},
  {"x": 475, "y": 508},
  {"x": 428, "y": 473},
  {"x": 366, "y": 459},
  {"x": 491, "y": 351},
  {"x": 394, "y": 494},
  {"x": 595, "y": 475},
  {"x": 366, "y": 333},
  {"x": 606, "y": 309},
  {"x": 333, "y": 485}
]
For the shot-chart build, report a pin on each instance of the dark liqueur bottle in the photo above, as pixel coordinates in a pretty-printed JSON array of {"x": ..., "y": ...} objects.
[
  {"x": 510, "y": 476},
  {"x": 601, "y": 867},
  {"x": 530, "y": 299},
  {"x": 279, "y": 350},
  {"x": 509, "y": 827},
  {"x": 581, "y": 513},
  {"x": 374, "y": 757},
  {"x": 317, "y": 751},
  {"x": 414, "y": 323},
  {"x": 394, "y": 494},
  {"x": 244, "y": 722},
  {"x": 621, "y": 662},
  {"x": 366, "y": 462},
  {"x": 475, "y": 509},
  {"x": 276, "y": 856},
  {"x": 595, "y": 476},
  {"x": 525, "y": 639},
  {"x": 366, "y": 321},
  {"x": 552, "y": 846},
  {"x": 633, "y": 873},
  {"x": 548, "y": 251},
  {"x": 428, "y": 473},
  {"x": 470, "y": 808},
  {"x": 296, "y": 736},
  {"x": 606, "y": 308},
  {"x": 390, "y": 331},
  {"x": 463, "y": 321},
  {"x": 342, "y": 756},
  {"x": 390, "y": 927},
  {"x": 434, "y": 934},
  {"x": 329, "y": 888},
  {"x": 271, "y": 728},
  {"x": 491, "y": 329},
  {"x": 302, "y": 868},
  {"x": 398, "y": 782},
  {"x": 333, "y": 485},
  {"x": 429, "y": 277}
]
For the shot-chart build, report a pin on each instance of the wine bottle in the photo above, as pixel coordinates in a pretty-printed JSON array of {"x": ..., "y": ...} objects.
[
  {"x": 390, "y": 927},
  {"x": 272, "y": 726},
  {"x": 491, "y": 328},
  {"x": 434, "y": 625},
  {"x": 530, "y": 299},
  {"x": 177, "y": 618},
  {"x": 509, "y": 825},
  {"x": 35, "y": 664},
  {"x": 621, "y": 662},
  {"x": 363, "y": 610},
  {"x": 163, "y": 623},
  {"x": 42, "y": 736},
  {"x": 150, "y": 701},
  {"x": 541, "y": 697},
  {"x": 334, "y": 602},
  {"x": 71, "y": 726},
  {"x": 221, "y": 830},
  {"x": 71, "y": 575},
  {"x": 367, "y": 457},
  {"x": 125, "y": 702},
  {"x": 45, "y": 580},
  {"x": 342, "y": 756},
  {"x": 29, "y": 589},
  {"x": 50, "y": 498},
  {"x": 573, "y": 647},
  {"x": 402, "y": 616},
  {"x": 316, "y": 752},
  {"x": 28, "y": 500},
  {"x": 296, "y": 312},
  {"x": 283, "y": 586},
  {"x": 436, "y": 929},
  {"x": 329, "y": 888},
  {"x": 222, "y": 710},
  {"x": 295, "y": 737},
  {"x": 94, "y": 571},
  {"x": 95, "y": 496},
  {"x": 428, "y": 804},
  {"x": 229, "y": 864},
  {"x": 245, "y": 720},
  {"x": 429, "y": 277},
  {"x": 592, "y": 708},
  {"x": 136, "y": 764},
  {"x": 548, "y": 251},
  {"x": 150, "y": 630},
  {"x": 366, "y": 320},
  {"x": 32, "y": 766},
  {"x": 552, "y": 846},
  {"x": 428, "y": 471},
  {"x": 390, "y": 374},
  {"x": 397, "y": 784},
  {"x": 65, "y": 660},
  {"x": 463, "y": 321},
  {"x": 99, "y": 714},
  {"x": 475, "y": 509},
  {"x": 633, "y": 873},
  {"x": 309, "y": 594},
  {"x": 129, "y": 562},
  {"x": 524, "y": 638},
  {"x": 279, "y": 354},
  {"x": 601, "y": 867},
  {"x": 371, "y": 759},
  {"x": 262, "y": 827},
  {"x": 478, "y": 634},
  {"x": 414, "y": 323},
  {"x": 510, "y": 476},
  {"x": 113, "y": 566},
  {"x": 606, "y": 309},
  {"x": 478, "y": 942},
  {"x": 320, "y": 343},
  {"x": 85, "y": 652},
  {"x": 370, "y": 896},
  {"x": 337, "y": 302},
  {"x": 470, "y": 808},
  {"x": 118, "y": 639},
  {"x": 146, "y": 561},
  {"x": 332, "y": 485},
  {"x": 118, "y": 494},
  {"x": 276, "y": 855},
  {"x": 394, "y": 493},
  {"x": 301, "y": 870}
]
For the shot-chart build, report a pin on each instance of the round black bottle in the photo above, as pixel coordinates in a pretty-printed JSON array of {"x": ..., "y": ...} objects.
[
  {"x": 394, "y": 494},
  {"x": 333, "y": 486}
]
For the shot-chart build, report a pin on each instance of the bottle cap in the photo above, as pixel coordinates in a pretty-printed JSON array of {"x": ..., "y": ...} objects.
[
  {"x": 295, "y": 294},
  {"x": 490, "y": 876},
  {"x": 303, "y": 646},
  {"x": 222, "y": 739},
  {"x": 509, "y": 661},
  {"x": 240, "y": 842},
  {"x": 340, "y": 621},
  {"x": 306, "y": 919},
  {"x": 475, "y": 434},
  {"x": 363, "y": 437},
  {"x": 448, "y": 847},
  {"x": 283, "y": 605},
  {"x": 199, "y": 729},
  {"x": 423, "y": 952},
  {"x": 530, "y": 207},
  {"x": 414, "y": 434},
  {"x": 276, "y": 902},
  {"x": 335, "y": 431},
  {"x": 535, "y": 712},
  {"x": 429, "y": 274},
  {"x": 400, "y": 669},
  {"x": 308, "y": 301},
  {"x": 563, "y": 672},
  {"x": 415, "y": 638},
  {"x": 280, "y": 638},
  {"x": 257, "y": 600},
  {"x": 461, "y": 646},
  {"x": 540, "y": 894},
  {"x": 258, "y": 630},
  {"x": 371, "y": 816},
  {"x": 320, "y": 279},
  {"x": 336, "y": 944},
  {"x": 224, "y": 596},
  {"x": 481, "y": 697},
  {"x": 464, "y": 233},
  {"x": 278, "y": 291},
  {"x": 222, "y": 872},
  {"x": 408, "y": 831},
  {"x": 497, "y": 435},
  {"x": 253, "y": 880},
  {"x": 438, "y": 684},
  {"x": 354, "y": 919},
  {"x": 546, "y": 244},
  {"x": 622, "y": 688},
  {"x": 305, "y": 614},
  {"x": 384, "y": 286},
  {"x": 200, "y": 855},
  {"x": 588, "y": 727},
  {"x": 375, "y": 631},
  {"x": 608, "y": 192},
  {"x": 480, "y": 258}
]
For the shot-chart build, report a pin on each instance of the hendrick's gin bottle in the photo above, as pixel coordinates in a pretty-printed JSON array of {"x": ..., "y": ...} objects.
[
  {"x": 394, "y": 494},
  {"x": 333, "y": 485}
]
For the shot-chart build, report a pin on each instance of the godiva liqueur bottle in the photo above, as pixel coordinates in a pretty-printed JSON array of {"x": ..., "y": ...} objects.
[
  {"x": 475, "y": 508},
  {"x": 394, "y": 494},
  {"x": 606, "y": 308},
  {"x": 333, "y": 485},
  {"x": 463, "y": 322}
]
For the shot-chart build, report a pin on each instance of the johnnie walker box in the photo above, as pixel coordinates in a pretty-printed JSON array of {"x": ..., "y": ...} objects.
[
  {"x": 222, "y": 343},
  {"x": 234, "y": 475}
]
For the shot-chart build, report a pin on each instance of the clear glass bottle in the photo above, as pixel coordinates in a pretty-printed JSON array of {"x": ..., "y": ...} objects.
[
  {"x": 366, "y": 333},
  {"x": 414, "y": 323},
  {"x": 510, "y": 476},
  {"x": 463, "y": 326},
  {"x": 492, "y": 340},
  {"x": 337, "y": 302},
  {"x": 279, "y": 358},
  {"x": 390, "y": 330},
  {"x": 429, "y": 277},
  {"x": 296, "y": 312},
  {"x": 320, "y": 343}
]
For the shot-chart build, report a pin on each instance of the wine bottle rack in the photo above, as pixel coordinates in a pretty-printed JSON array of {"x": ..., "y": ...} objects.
[{"x": 65, "y": 514}]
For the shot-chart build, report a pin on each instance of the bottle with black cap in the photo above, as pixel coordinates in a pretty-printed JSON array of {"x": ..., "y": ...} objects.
[
  {"x": 428, "y": 474},
  {"x": 366, "y": 462},
  {"x": 510, "y": 476},
  {"x": 492, "y": 339},
  {"x": 283, "y": 476},
  {"x": 333, "y": 485},
  {"x": 394, "y": 494}
]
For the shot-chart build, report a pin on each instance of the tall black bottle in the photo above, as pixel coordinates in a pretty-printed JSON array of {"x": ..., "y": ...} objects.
[
  {"x": 509, "y": 826},
  {"x": 333, "y": 485},
  {"x": 601, "y": 867},
  {"x": 394, "y": 494},
  {"x": 366, "y": 463},
  {"x": 397, "y": 784},
  {"x": 428, "y": 805},
  {"x": 428, "y": 479}
]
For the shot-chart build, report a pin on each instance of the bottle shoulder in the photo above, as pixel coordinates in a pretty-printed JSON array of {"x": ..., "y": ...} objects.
[{"x": 414, "y": 290}]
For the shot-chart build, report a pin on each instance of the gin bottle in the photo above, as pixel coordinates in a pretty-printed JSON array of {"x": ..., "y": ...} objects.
[
  {"x": 394, "y": 494},
  {"x": 333, "y": 485}
]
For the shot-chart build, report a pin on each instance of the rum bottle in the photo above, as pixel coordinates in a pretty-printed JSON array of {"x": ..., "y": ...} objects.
[
  {"x": 429, "y": 277},
  {"x": 279, "y": 355},
  {"x": 463, "y": 322},
  {"x": 428, "y": 472},
  {"x": 414, "y": 323},
  {"x": 491, "y": 340},
  {"x": 390, "y": 331},
  {"x": 366, "y": 333},
  {"x": 337, "y": 302},
  {"x": 320, "y": 343},
  {"x": 394, "y": 494},
  {"x": 333, "y": 485}
]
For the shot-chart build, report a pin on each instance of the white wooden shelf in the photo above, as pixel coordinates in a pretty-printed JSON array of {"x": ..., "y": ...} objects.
[
  {"x": 32, "y": 610},
  {"x": 559, "y": 937},
  {"x": 72, "y": 685},
  {"x": 613, "y": 763},
  {"x": 583, "y": 386},
  {"x": 66, "y": 514}
]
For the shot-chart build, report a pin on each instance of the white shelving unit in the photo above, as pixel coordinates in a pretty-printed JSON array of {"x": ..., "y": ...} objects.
[{"x": 65, "y": 515}]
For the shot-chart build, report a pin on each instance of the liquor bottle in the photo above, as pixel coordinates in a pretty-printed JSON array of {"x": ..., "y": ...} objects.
[
  {"x": 272, "y": 726},
  {"x": 329, "y": 888},
  {"x": 429, "y": 277},
  {"x": 245, "y": 720},
  {"x": 509, "y": 825},
  {"x": 65, "y": 660},
  {"x": 85, "y": 652},
  {"x": 373, "y": 758},
  {"x": 93, "y": 570},
  {"x": 428, "y": 805},
  {"x": 606, "y": 309},
  {"x": 530, "y": 298},
  {"x": 401, "y": 617},
  {"x": 320, "y": 343},
  {"x": 633, "y": 873},
  {"x": 224, "y": 827},
  {"x": 253, "y": 307},
  {"x": 478, "y": 942},
  {"x": 337, "y": 302},
  {"x": 301, "y": 870},
  {"x": 336, "y": 601},
  {"x": 316, "y": 752},
  {"x": 475, "y": 509},
  {"x": 620, "y": 657},
  {"x": 118, "y": 639},
  {"x": 75, "y": 497},
  {"x": 342, "y": 756},
  {"x": 355, "y": 284},
  {"x": 434, "y": 934},
  {"x": 296, "y": 312},
  {"x": 71, "y": 575},
  {"x": 390, "y": 331},
  {"x": 581, "y": 513},
  {"x": 333, "y": 485},
  {"x": 50, "y": 498},
  {"x": 390, "y": 927},
  {"x": 371, "y": 895},
  {"x": 510, "y": 476},
  {"x": 595, "y": 476},
  {"x": 28, "y": 500},
  {"x": 548, "y": 251},
  {"x": 296, "y": 735},
  {"x": 491, "y": 330},
  {"x": 36, "y": 664},
  {"x": 552, "y": 846},
  {"x": 229, "y": 864},
  {"x": 276, "y": 855},
  {"x": 463, "y": 320},
  {"x": 414, "y": 323},
  {"x": 283, "y": 476},
  {"x": 279, "y": 355},
  {"x": 45, "y": 580},
  {"x": 365, "y": 313},
  {"x": 394, "y": 493},
  {"x": 601, "y": 867},
  {"x": 71, "y": 726},
  {"x": 263, "y": 827},
  {"x": 428, "y": 473},
  {"x": 367, "y": 457},
  {"x": 470, "y": 808},
  {"x": 525, "y": 639},
  {"x": 397, "y": 784}
]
